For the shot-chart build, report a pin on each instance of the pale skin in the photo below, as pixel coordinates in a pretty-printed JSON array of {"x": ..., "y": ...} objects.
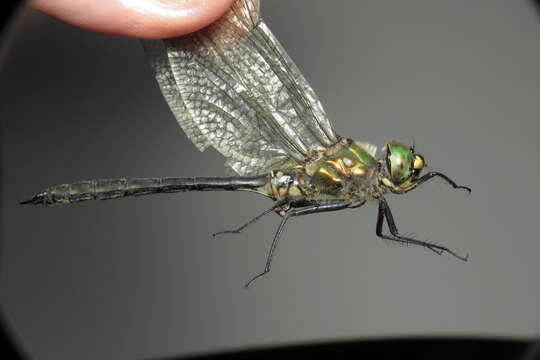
[{"x": 145, "y": 19}]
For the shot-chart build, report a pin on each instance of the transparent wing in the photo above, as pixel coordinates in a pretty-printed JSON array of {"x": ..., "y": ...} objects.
[{"x": 233, "y": 87}]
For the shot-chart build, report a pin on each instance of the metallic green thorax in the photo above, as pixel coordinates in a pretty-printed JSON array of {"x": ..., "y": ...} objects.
[
  {"x": 339, "y": 172},
  {"x": 346, "y": 171}
]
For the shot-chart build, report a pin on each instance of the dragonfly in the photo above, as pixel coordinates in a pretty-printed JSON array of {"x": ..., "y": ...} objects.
[{"x": 233, "y": 87}]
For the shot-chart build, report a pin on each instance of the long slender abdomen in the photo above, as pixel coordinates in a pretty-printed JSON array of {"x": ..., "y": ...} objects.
[{"x": 104, "y": 189}]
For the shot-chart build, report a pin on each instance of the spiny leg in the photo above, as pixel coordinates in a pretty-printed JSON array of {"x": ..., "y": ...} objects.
[
  {"x": 312, "y": 209},
  {"x": 241, "y": 228},
  {"x": 382, "y": 215},
  {"x": 385, "y": 212}
]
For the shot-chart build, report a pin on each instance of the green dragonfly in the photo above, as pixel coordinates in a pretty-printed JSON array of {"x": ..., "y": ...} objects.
[{"x": 233, "y": 87}]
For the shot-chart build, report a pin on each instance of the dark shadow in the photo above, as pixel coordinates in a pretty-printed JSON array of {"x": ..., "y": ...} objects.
[
  {"x": 537, "y": 3},
  {"x": 7, "y": 12},
  {"x": 7, "y": 347},
  {"x": 402, "y": 349}
]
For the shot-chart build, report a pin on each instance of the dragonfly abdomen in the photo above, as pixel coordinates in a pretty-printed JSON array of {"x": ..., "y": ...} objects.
[{"x": 104, "y": 189}]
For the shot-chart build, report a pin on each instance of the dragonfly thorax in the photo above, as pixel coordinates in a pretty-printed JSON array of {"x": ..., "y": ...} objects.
[{"x": 347, "y": 168}]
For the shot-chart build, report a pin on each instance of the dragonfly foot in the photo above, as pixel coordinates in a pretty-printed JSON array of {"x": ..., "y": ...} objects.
[
  {"x": 255, "y": 278},
  {"x": 226, "y": 232},
  {"x": 439, "y": 249}
]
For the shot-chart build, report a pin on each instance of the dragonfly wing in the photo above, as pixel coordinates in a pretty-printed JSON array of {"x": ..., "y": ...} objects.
[{"x": 233, "y": 87}]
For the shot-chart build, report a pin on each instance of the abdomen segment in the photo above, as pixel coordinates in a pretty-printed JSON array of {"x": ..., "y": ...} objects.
[{"x": 104, "y": 189}]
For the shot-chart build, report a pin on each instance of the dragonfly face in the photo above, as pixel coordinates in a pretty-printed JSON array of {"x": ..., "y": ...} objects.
[{"x": 403, "y": 167}]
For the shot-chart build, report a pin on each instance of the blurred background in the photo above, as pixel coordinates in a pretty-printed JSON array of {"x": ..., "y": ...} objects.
[{"x": 143, "y": 277}]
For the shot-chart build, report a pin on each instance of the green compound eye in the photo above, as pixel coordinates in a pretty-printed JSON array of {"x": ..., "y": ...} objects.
[{"x": 399, "y": 161}]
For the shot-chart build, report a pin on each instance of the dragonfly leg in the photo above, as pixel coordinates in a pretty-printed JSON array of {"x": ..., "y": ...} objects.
[
  {"x": 451, "y": 182},
  {"x": 386, "y": 213},
  {"x": 241, "y": 228},
  {"x": 306, "y": 210}
]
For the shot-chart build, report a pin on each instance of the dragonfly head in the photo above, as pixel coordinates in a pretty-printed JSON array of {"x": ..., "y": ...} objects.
[{"x": 403, "y": 167}]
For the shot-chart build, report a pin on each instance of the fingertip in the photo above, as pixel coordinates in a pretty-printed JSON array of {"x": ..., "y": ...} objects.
[
  {"x": 169, "y": 18},
  {"x": 147, "y": 19}
]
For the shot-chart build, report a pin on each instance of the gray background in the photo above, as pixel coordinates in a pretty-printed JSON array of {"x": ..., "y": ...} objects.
[{"x": 139, "y": 278}]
